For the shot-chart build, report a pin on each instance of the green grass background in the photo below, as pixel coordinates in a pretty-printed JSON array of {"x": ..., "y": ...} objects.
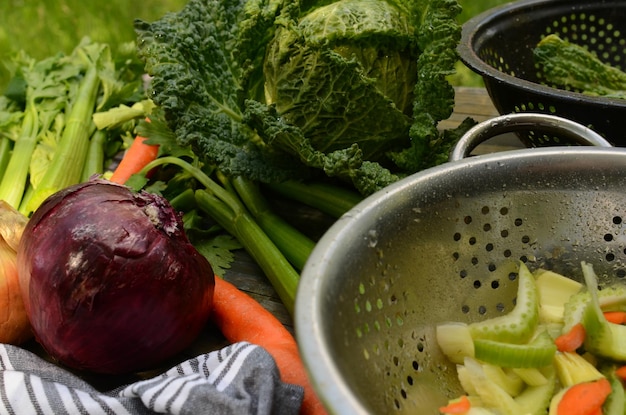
[{"x": 45, "y": 27}]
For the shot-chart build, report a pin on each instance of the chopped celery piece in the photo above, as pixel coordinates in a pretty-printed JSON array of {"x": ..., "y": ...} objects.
[
  {"x": 537, "y": 353},
  {"x": 491, "y": 394},
  {"x": 519, "y": 325},
  {"x": 479, "y": 411},
  {"x": 455, "y": 341},
  {"x": 612, "y": 298},
  {"x": 512, "y": 383},
  {"x": 534, "y": 400},
  {"x": 603, "y": 338},
  {"x": 554, "y": 402},
  {"x": 572, "y": 368},
  {"x": 615, "y": 402},
  {"x": 554, "y": 291},
  {"x": 532, "y": 376},
  {"x": 465, "y": 379}
]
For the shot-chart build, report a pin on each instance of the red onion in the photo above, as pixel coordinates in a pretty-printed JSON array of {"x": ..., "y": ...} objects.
[{"x": 110, "y": 281}]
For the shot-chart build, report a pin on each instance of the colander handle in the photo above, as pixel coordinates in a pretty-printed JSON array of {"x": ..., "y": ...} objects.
[{"x": 525, "y": 121}]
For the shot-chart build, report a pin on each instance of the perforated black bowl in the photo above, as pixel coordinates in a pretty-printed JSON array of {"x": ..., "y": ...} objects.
[{"x": 499, "y": 43}]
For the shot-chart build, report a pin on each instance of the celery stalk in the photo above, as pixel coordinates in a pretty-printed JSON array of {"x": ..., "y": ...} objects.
[
  {"x": 278, "y": 270},
  {"x": 5, "y": 155},
  {"x": 67, "y": 164},
  {"x": 94, "y": 161},
  {"x": 13, "y": 186},
  {"x": 296, "y": 246},
  {"x": 332, "y": 200}
]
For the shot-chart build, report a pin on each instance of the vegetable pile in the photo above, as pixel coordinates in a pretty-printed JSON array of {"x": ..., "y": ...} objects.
[
  {"x": 560, "y": 351},
  {"x": 245, "y": 104}
]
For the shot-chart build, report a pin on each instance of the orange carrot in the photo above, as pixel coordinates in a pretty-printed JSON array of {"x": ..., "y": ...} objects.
[
  {"x": 136, "y": 157},
  {"x": 584, "y": 398},
  {"x": 617, "y": 317},
  {"x": 458, "y": 406},
  {"x": 620, "y": 372},
  {"x": 572, "y": 340},
  {"x": 241, "y": 318}
]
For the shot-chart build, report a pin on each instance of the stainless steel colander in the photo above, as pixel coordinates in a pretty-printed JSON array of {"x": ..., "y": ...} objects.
[{"x": 443, "y": 245}]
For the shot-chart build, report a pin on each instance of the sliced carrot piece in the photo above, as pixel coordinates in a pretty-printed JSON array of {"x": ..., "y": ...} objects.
[
  {"x": 584, "y": 398},
  {"x": 617, "y": 317},
  {"x": 620, "y": 372},
  {"x": 457, "y": 406},
  {"x": 572, "y": 340}
]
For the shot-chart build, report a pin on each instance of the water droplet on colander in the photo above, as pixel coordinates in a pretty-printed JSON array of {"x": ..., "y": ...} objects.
[{"x": 373, "y": 238}]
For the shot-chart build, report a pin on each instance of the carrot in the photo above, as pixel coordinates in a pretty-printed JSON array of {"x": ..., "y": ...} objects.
[
  {"x": 136, "y": 157},
  {"x": 457, "y": 406},
  {"x": 620, "y": 372},
  {"x": 584, "y": 398},
  {"x": 241, "y": 318},
  {"x": 617, "y": 317},
  {"x": 572, "y": 340}
]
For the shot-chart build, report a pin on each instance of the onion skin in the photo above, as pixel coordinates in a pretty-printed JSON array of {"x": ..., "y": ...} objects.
[{"x": 110, "y": 282}]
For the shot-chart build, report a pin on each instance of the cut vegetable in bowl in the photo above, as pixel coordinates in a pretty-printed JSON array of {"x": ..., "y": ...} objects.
[{"x": 576, "y": 357}]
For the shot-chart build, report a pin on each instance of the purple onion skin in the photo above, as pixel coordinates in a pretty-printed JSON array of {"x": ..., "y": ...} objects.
[{"x": 110, "y": 281}]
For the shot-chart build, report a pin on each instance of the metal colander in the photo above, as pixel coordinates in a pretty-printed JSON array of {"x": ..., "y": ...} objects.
[
  {"x": 444, "y": 245},
  {"x": 499, "y": 43}
]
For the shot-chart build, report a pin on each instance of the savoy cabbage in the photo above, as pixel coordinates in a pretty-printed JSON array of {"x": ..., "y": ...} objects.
[{"x": 281, "y": 89}]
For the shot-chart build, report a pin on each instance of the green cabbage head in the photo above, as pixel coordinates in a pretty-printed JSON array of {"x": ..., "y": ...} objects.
[{"x": 344, "y": 73}]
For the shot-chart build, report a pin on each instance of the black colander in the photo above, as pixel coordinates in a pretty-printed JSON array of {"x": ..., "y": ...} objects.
[{"x": 498, "y": 44}]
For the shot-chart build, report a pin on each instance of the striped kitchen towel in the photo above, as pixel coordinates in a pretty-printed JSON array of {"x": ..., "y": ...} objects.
[{"x": 241, "y": 378}]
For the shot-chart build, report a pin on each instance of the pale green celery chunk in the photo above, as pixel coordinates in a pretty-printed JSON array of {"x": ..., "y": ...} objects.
[
  {"x": 573, "y": 368},
  {"x": 492, "y": 395},
  {"x": 519, "y": 325},
  {"x": 510, "y": 381},
  {"x": 534, "y": 400},
  {"x": 611, "y": 298},
  {"x": 615, "y": 403},
  {"x": 455, "y": 341},
  {"x": 537, "y": 353},
  {"x": 603, "y": 338},
  {"x": 531, "y": 376},
  {"x": 554, "y": 291}
]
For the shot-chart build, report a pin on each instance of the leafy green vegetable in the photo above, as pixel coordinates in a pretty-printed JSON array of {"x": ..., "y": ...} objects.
[
  {"x": 273, "y": 90},
  {"x": 570, "y": 66},
  {"x": 46, "y": 119}
]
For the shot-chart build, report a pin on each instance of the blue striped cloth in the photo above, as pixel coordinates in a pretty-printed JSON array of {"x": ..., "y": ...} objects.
[{"x": 241, "y": 378}]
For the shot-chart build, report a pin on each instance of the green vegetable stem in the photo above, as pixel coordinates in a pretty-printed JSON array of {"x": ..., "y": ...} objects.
[{"x": 296, "y": 246}]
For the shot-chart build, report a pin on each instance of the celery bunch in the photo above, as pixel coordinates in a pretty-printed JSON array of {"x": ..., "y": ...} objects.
[{"x": 48, "y": 139}]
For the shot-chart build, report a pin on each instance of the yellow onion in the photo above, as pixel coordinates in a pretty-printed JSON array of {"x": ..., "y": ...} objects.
[{"x": 14, "y": 324}]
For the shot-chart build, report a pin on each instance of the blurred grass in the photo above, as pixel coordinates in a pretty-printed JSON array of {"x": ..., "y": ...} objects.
[
  {"x": 45, "y": 27},
  {"x": 471, "y": 8}
]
